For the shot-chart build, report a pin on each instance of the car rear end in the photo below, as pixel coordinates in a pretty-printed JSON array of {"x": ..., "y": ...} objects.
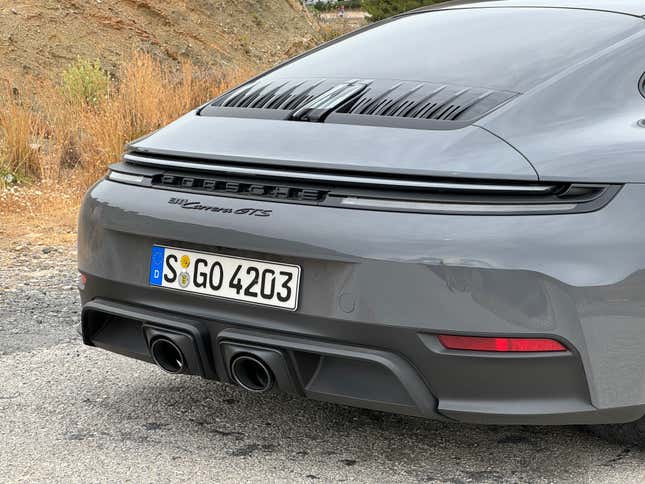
[{"x": 353, "y": 238}]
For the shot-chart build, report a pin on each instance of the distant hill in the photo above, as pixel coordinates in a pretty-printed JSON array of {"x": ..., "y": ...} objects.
[{"x": 40, "y": 38}]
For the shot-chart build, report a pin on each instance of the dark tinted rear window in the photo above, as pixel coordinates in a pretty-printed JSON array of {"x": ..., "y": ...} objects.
[{"x": 498, "y": 48}]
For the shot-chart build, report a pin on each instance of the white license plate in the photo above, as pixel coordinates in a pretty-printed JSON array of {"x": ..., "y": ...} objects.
[{"x": 217, "y": 275}]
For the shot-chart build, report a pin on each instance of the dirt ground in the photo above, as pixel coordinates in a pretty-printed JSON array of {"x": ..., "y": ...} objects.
[
  {"x": 40, "y": 214},
  {"x": 38, "y": 38}
]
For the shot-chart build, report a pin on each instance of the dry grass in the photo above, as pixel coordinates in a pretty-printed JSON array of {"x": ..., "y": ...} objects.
[
  {"x": 55, "y": 147},
  {"x": 20, "y": 126}
]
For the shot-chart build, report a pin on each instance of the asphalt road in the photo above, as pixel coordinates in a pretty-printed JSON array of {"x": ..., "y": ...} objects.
[{"x": 70, "y": 413}]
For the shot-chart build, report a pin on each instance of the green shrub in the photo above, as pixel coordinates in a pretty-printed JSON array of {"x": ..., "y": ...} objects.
[
  {"x": 380, "y": 9},
  {"x": 327, "y": 6},
  {"x": 323, "y": 6},
  {"x": 85, "y": 82}
]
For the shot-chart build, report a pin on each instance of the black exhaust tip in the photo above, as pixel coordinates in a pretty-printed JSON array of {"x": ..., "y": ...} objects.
[
  {"x": 167, "y": 355},
  {"x": 252, "y": 374}
]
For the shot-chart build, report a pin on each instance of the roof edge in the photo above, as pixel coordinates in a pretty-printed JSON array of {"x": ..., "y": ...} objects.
[{"x": 607, "y": 7}]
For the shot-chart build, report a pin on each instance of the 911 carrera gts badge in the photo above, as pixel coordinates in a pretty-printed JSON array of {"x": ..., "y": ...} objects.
[{"x": 195, "y": 205}]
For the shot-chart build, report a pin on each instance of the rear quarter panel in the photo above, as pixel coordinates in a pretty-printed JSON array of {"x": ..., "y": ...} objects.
[{"x": 583, "y": 125}]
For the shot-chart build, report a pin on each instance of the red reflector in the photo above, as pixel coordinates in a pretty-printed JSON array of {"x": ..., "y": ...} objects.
[{"x": 478, "y": 343}]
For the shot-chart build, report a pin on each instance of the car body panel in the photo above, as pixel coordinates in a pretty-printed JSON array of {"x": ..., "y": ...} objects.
[
  {"x": 458, "y": 48},
  {"x": 469, "y": 151},
  {"x": 558, "y": 127},
  {"x": 577, "y": 277},
  {"x": 378, "y": 286},
  {"x": 591, "y": 129},
  {"x": 628, "y": 7}
]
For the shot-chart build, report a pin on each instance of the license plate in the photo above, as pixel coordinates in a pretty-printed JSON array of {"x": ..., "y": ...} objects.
[{"x": 248, "y": 280}]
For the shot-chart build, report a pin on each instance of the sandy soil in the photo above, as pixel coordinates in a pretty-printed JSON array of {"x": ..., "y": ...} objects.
[{"x": 38, "y": 38}]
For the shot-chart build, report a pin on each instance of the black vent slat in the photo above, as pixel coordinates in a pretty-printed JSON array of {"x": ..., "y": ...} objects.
[
  {"x": 265, "y": 98},
  {"x": 236, "y": 97},
  {"x": 398, "y": 101},
  {"x": 474, "y": 101},
  {"x": 425, "y": 110},
  {"x": 412, "y": 103},
  {"x": 359, "y": 105},
  {"x": 402, "y": 108},
  {"x": 446, "y": 102},
  {"x": 366, "y": 109},
  {"x": 303, "y": 97},
  {"x": 419, "y": 107},
  {"x": 252, "y": 96},
  {"x": 298, "y": 102},
  {"x": 448, "y": 112},
  {"x": 283, "y": 98},
  {"x": 270, "y": 95},
  {"x": 382, "y": 105}
]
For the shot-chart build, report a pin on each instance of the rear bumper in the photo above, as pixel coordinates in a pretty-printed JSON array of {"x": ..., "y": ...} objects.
[{"x": 377, "y": 288}]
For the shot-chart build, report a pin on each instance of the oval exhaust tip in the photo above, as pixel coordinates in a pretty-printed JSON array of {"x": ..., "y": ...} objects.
[
  {"x": 167, "y": 355},
  {"x": 252, "y": 374}
]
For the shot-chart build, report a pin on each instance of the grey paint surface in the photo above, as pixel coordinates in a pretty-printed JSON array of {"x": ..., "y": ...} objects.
[
  {"x": 576, "y": 276},
  {"x": 464, "y": 152},
  {"x": 581, "y": 123},
  {"x": 460, "y": 48},
  {"x": 630, "y": 7},
  {"x": 579, "y": 278}
]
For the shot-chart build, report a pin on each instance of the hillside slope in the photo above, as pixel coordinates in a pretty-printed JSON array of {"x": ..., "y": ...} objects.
[{"x": 38, "y": 38}]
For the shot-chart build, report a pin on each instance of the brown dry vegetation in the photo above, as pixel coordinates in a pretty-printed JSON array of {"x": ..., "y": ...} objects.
[
  {"x": 55, "y": 146},
  {"x": 152, "y": 61}
]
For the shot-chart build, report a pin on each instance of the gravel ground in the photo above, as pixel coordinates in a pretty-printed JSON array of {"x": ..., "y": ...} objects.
[{"x": 71, "y": 413}]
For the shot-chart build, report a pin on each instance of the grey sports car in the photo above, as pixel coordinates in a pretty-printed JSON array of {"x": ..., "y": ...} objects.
[{"x": 440, "y": 215}]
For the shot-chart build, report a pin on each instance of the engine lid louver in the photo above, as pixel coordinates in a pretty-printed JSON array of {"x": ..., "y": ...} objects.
[
  {"x": 273, "y": 95},
  {"x": 362, "y": 101}
]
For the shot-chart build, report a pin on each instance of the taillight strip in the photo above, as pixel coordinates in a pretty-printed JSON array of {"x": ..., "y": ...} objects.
[{"x": 500, "y": 344}]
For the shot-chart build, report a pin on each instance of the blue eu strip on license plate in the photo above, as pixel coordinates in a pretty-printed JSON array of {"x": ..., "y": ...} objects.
[{"x": 156, "y": 265}]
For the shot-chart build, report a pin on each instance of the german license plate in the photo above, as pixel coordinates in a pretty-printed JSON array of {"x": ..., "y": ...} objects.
[{"x": 248, "y": 280}]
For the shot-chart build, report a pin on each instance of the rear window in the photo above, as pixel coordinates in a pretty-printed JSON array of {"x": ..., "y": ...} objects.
[{"x": 498, "y": 48}]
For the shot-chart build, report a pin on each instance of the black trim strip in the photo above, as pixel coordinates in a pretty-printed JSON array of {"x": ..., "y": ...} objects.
[
  {"x": 353, "y": 191},
  {"x": 335, "y": 178}
]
